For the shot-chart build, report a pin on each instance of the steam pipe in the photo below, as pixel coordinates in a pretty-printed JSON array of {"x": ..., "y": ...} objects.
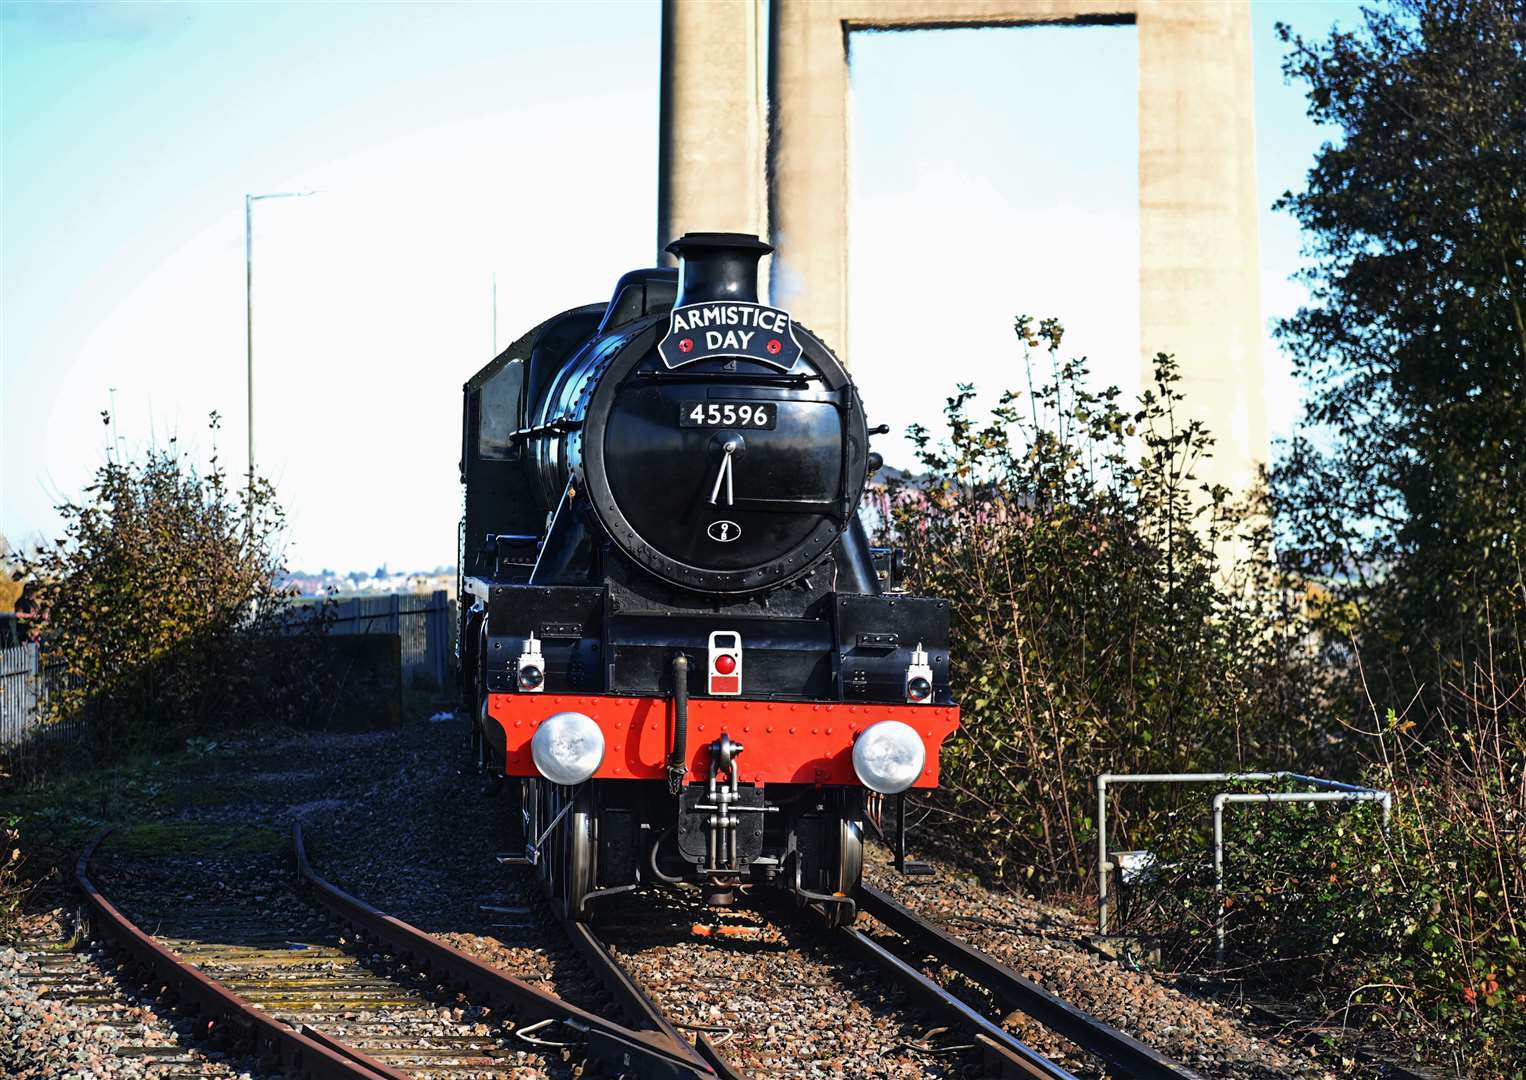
[
  {"x": 855, "y": 564},
  {"x": 678, "y": 760}
]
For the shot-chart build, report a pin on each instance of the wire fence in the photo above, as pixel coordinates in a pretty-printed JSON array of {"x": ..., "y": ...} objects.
[{"x": 424, "y": 624}]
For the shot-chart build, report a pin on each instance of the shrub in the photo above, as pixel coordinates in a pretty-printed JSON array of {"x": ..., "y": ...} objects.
[
  {"x": 160, "y": 601},
  {"x": 1417, "y": 930},
  {"x": 1101, "y": 621},
  {"x": 13, "y": 887}
]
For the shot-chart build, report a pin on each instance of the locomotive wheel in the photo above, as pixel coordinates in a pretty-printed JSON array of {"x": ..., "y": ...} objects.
[
  {"x": 569, "y": 865},
  {"x": 850, "y": 867},
  {"x": 839, "y": 871}
]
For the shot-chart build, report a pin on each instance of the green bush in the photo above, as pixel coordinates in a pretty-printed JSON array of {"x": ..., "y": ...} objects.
[
  {"x": 1101, "y": 622},
  {"x": 161, "y": 606},
  {"x": 1417, "y": 930},
  {"x": 1112, "y": 615}
]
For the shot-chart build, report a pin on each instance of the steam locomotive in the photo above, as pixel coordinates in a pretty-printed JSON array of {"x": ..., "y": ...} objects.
[{"x": 679, "y": 648}]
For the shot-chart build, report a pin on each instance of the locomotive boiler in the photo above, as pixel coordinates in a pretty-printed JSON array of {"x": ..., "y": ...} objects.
[{"x": 680, "y": 650}]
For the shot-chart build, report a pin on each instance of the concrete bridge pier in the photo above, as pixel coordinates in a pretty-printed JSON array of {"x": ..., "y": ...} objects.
[{"x": 1198, "y": 255}]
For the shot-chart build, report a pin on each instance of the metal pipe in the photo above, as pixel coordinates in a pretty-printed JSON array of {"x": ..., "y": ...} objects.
[
  {"x": 1221, "y": 800},
  {"x": 249, "y": 201},
  {"x": 1102, "y": 853},
  {"x": 249, "y": 337},
  {"x": 1103, "y": 780},
  {"x": 900, "y": 832},
  {"x": 656, "y": 870},
  {"x": 678, "y": 760},
  {"x": 1218, "y": 879}
]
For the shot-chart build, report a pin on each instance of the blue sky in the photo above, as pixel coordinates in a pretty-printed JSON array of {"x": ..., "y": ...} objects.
[{"x": 452, "y": 142}]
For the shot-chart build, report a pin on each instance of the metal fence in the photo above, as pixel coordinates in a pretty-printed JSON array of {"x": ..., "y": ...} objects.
[
  {"x": 27, "y": 680},
  {"x": 423, "y": 622}
]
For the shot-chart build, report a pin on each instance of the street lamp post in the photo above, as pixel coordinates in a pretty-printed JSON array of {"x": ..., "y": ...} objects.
[{"x": 249, "y": 201}]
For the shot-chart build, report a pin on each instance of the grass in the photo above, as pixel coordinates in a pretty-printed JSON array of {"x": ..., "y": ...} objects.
[
  {"x": 197, "y": 838},
  {"x": 140, "y": 795}
]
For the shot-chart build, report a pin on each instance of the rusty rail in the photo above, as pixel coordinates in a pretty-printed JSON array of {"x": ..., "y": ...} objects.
[
  {"x": 1123, "y": 1054},
  {"x": 1005, "y": 1054},
  {"x": 627, "y": 989},
  {"x": 302, "y": 1053},
  {"x": 650, "y": 1054}
]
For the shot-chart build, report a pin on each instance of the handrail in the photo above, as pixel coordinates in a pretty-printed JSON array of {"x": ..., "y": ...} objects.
[{"x": 1331, "y": 791}]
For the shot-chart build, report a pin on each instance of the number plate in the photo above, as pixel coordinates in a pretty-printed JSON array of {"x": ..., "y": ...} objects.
[{"x": 757, "y": 415}]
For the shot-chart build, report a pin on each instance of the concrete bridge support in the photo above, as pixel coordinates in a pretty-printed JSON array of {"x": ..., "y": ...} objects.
[
  {"x": 1198, "y": 243},
  {"x": 713, "y": 120}
]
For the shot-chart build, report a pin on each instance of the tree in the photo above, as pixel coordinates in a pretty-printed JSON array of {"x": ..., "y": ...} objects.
[
  {"x": 10, "y": 577},
  {"x": 1406, "y": 491}
]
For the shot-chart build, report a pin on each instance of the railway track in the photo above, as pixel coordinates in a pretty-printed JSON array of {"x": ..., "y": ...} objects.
[
  {"x": 347, "y": 1004},
  {"x": 226, "y": 1017},
  {"x": 658, "y": 1052},
  {"x": 284, "y": 984},
  {"x": 1120, "y": 1054},
  {"x": 628, "y": 991},
  {"x": 163, "y": 1045},
  {"x": 902, "y": 943}
]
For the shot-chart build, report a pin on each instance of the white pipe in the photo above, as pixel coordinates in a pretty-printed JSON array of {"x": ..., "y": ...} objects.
[
  {"x": 1333, "y": 791},
  {"x": 1354, "y": 794}
]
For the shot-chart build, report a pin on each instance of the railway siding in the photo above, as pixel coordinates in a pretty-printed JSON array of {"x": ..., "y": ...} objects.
[{"x": 272, "y": 969}]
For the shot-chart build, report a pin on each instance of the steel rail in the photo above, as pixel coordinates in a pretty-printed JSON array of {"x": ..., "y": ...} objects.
[
  {"x": 303, "y": 1052},
  {"x": 634, "y": 998},
  {"x": 1122, "y": 1053},
  {"x": 1010, "y": 1056},
  {"x": 651, "y": 1054},
  {"x": 628, "y": 991}
]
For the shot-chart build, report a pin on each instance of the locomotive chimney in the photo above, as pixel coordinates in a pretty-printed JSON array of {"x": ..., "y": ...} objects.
[{"x": 717, "y": 266}]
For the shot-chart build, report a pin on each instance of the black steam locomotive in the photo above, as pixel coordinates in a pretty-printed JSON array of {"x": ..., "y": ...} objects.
[{"x": 678, "y": 645}]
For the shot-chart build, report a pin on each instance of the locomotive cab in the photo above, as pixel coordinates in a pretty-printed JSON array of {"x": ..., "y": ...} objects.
[{"x": 674, "y": 640}]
